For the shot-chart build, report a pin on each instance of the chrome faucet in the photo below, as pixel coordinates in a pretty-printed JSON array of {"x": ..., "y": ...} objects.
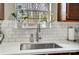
[{"x": 38, "y": 30}]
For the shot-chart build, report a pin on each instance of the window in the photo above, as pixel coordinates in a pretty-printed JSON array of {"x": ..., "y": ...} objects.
[{"x": 34, "y": 12}]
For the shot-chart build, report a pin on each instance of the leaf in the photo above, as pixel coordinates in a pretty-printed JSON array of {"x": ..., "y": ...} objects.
[{"x": 14, "y": 15}]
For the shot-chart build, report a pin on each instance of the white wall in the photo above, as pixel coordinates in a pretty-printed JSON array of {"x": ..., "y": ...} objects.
[
  {"x": 8, "y": 9},
  {"x": 57, "y": 32}
]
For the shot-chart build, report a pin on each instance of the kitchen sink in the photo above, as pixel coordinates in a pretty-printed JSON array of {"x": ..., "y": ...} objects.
[{"x": 25, "y": 46}]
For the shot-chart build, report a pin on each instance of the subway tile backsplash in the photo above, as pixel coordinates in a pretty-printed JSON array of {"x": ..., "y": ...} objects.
[{"x": 58, "y": 31}]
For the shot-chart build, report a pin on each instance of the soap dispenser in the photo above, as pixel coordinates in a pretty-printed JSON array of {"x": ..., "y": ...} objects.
[
  {"x": 71, "y": 33},
  {"x": 31, "y": 38}
]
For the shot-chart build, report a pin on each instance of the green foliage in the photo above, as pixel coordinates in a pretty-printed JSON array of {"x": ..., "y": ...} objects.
[{"x": 14, "y": 15}]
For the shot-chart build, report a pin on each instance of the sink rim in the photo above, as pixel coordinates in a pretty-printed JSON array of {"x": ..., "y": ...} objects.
[
  {"x": 30, "y": 44},
  {"x": 40, "y": 43}
]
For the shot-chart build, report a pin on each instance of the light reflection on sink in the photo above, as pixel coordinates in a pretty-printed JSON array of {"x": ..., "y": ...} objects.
[{"x": 25, "y": 46}]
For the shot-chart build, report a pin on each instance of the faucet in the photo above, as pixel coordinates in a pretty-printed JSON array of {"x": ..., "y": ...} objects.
[{"x": 38, "y": 30}]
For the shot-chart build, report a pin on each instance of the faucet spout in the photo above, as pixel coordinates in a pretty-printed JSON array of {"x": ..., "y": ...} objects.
[{"x": 38, "y": 30}]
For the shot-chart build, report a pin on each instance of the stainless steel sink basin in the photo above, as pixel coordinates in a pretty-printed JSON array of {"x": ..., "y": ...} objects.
[{"x": 25, "y": 46}]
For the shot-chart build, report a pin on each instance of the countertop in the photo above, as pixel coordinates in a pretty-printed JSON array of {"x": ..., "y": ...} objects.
[{"x": 14, "y": 48}]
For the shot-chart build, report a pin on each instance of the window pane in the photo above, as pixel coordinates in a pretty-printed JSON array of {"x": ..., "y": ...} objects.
[{"x": 33, "y": 11}]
